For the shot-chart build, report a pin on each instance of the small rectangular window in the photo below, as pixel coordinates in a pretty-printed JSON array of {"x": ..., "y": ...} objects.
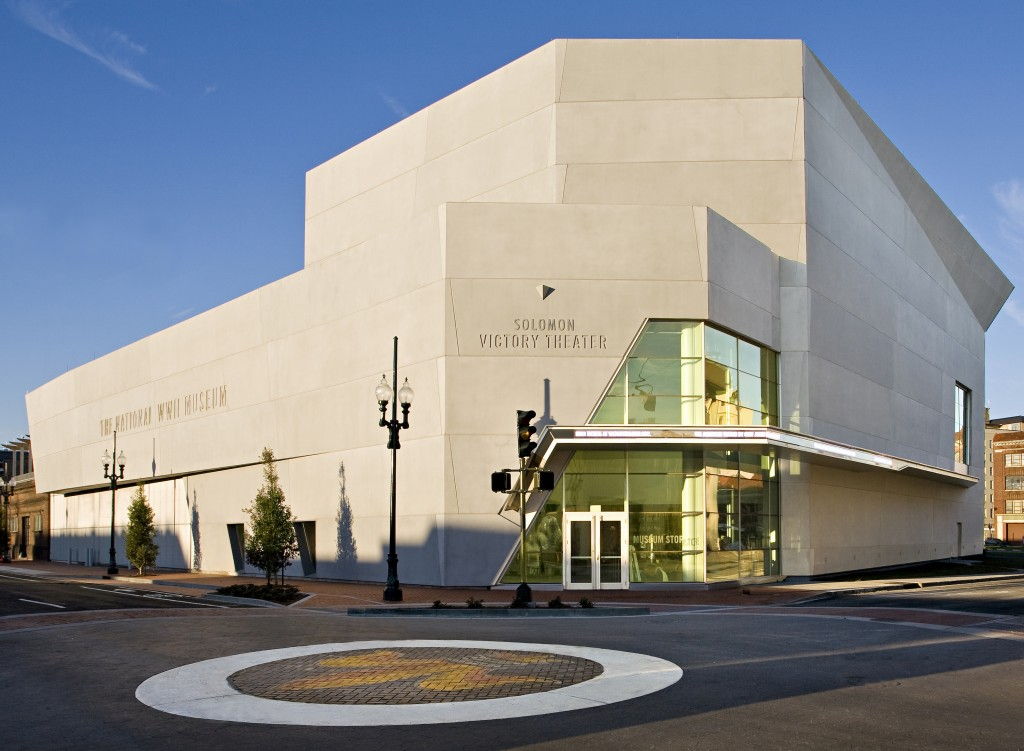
[
  {"x": 1015, "y": 482},
  {"x": 37, "y": 522},
  {"x": 1015, "y": 460}
]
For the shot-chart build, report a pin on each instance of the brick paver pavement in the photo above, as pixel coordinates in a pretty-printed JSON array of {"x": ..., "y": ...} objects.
[{"x": 412, "y": 675}]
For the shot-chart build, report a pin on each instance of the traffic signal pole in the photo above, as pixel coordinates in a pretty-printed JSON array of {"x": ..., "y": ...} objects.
[
  {"x": 524, "y": 432},
  {"x": 501, "y": 482},
  {"x": 523, "y": 593}
]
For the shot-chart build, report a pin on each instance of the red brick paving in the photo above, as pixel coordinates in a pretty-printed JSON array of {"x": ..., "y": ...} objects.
[
  {"x": 412, "y": 675},
  {"x": 338, "y": 596}
]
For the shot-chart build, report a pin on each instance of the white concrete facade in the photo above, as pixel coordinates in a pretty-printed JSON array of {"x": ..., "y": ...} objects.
[{"x": 729, "y": 181}]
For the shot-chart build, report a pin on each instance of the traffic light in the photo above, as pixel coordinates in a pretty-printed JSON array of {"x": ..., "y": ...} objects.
[
  {"x": 525, "y": 431},
  {"x": 501, "y": 482},
  {"x": 545, "y": 480}
]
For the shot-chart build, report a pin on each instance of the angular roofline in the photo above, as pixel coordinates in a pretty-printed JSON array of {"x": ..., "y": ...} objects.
[{"x": 982, "y": 283}]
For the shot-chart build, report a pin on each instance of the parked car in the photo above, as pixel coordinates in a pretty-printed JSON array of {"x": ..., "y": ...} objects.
[{"x": 993, "y": 541}]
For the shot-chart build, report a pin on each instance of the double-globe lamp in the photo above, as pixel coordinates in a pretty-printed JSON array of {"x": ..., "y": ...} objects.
[
  {"x": 385, "y": 394},
  {"x": 110, "y": 474}
]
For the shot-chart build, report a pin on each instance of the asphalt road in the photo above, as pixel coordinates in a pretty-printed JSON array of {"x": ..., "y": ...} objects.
[
  {"x": 21, "y": 594},
  {"x": 780, "y": 681},
  {"x": 999, "y": 598}
]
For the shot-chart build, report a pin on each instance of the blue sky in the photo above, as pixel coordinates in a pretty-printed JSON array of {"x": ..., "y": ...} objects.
[{"x": 152, "y": 154}]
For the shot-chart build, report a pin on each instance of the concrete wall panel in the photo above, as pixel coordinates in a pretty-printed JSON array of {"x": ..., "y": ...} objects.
[
  {"x": 676, "y": 130},
  {"x": 620, "y": 69}
]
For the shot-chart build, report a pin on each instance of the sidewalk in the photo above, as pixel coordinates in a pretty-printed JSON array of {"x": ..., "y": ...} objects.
[{"x": 332, "y": 595}]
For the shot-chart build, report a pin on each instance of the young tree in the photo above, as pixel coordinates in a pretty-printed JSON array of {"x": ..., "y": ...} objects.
[
  {"x": 270, "y": 539},
  {"x": 139, "y": 537}
]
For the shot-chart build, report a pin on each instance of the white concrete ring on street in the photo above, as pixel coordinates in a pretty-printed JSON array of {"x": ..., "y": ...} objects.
[{"x": 202, "y": 690}]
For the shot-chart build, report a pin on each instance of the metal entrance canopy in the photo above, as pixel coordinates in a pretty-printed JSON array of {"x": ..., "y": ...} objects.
[{"x": 555, "y": 440}]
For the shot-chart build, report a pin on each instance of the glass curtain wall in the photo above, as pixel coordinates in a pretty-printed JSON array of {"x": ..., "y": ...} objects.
[
  {"x": 694, "y": 514},
  {"x": 686, "y": 506},
  {"x": 662, "y": 380},
  {"x": 690, "y": 373},
  {"x": 742, "y": 493},
  {"x": 740, "y": 381}
]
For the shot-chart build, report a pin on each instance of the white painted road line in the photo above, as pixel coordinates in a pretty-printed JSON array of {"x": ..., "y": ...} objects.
[
  {"x": 37, "y": 602},
  {"x": 18, "y": 578}
]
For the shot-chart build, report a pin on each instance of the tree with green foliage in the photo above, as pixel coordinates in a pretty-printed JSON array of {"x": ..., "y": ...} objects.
[
  {"x": 270, "y": 542},
  {"x": 139, "y": 537}
]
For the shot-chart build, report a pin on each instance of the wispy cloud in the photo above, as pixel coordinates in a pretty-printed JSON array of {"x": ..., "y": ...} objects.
[
  {"x": 111, "y": 49},
  {"x": 1015, "y": 310},
  {"x": 182, "y": 314},
  {"x": 394, "y": 105},
  {"x": 1010, "y": 197}
]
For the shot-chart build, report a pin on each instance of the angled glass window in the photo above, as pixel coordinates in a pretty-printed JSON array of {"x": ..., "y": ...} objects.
[
  {"x": 690, "y": 373},
  {"x": 660, "y": 382}
]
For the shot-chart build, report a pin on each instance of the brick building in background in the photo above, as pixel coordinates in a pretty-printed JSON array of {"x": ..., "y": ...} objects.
[
  {"x": 1007, "y": 462},
  {"x": 28, "y": 512}
]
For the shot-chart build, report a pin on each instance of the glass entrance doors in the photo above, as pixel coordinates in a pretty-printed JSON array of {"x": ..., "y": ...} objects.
[{"x": 595, "y": 550}]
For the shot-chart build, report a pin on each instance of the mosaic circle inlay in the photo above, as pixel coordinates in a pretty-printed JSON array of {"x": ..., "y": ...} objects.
[
  {"x": 412, "y": 675},
  {"x": 404, "y": 682}
]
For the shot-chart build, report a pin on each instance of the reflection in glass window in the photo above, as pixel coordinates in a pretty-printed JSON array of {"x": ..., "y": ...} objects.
[
  {"x": 543, "y": 546},
  {"x": 690, "y": 373},
  {"x": 660, "y": 383},
  {"x": 749, "y": 358},
  {"x": 740, "y": 382},
  {"x": 694, "y": 515},
  {"x": 720, "y": 347},
  {"x": 1015, "y": 482}
]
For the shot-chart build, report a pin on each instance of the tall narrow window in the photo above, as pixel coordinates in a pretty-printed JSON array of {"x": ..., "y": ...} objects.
[
  {"x": 305, "y": 536},
  {"x": 962, "y": 424},
  {"x": 236, "y": 537}
]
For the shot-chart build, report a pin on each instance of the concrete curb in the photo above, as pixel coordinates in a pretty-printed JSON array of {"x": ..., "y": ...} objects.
[
  {"x": 160, "y": 582},
  {"x": 251, "y": 601},
  {"x": 133, "y": 579},
  {"x": 832, "y": 594},
  {"x": 499, "y": 612},
  {"x": 186, "y": 585}
]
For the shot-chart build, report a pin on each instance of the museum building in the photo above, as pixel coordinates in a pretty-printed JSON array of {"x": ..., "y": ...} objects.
[{"x": 754, "y": 337}]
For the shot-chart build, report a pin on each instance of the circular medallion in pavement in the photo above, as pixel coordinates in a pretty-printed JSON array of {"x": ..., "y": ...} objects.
[
  {"x": 404, "y": 683},
  {"x": 412, "y": 675}
]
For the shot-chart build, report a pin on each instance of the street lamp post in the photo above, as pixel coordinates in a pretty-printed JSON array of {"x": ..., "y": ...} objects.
[
  {"x": 6, "y": 488},
  {"x": 110, "y": 474},
  {"x": 386, "y": 393}
]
